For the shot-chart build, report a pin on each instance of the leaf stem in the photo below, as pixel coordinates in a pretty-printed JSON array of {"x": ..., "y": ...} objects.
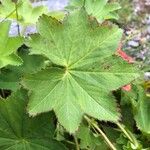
[
  {"x": 124, "y": 131},
  {"x": 9, "y": 15},
  {"x": 84, "y": 3},
  {"x": 76, "y": 142},
  {"x": 3, "y": 93},
  {"x": 17, "y": 18},
  {"x": 127, "y": 134},
  {"x": 101, "y": 132}
]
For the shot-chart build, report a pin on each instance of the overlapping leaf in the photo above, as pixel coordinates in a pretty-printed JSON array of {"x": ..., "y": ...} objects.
[
  {"x": 140, "y": 103},
  {"x": 27, "y": 14},
  {"x": 142, "y": 116},
  {"x": 100, "y": 9},
  {"x": 7, "y": 8},
  {"x": 85, "y": 70},
  {"x": 9, "y": 80},
  {"x": 10, "y": 77},
  {"x": 89, "y": 140},
  {"x": 18, "y": 131},
  {"x": 8, "y": 46},
  {"x": 142, "y": 109}
]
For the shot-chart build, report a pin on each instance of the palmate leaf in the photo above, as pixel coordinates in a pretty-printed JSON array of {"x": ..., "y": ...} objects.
[
  {"x": 18, "y": 131},
  {"x": 7, "y": 8},
  {"x": 100, "y": 9},
  {"x": 8, "y": 46},
  {"x": 27, "y": 14},
  {"x": 85, "y": 70}
]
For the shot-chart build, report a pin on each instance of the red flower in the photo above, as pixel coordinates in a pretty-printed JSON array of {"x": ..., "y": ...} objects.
[
  {"x": 127, "y": 88},
  {"x": 127, "y": 58},
  {"x": 123, "y": 55}
]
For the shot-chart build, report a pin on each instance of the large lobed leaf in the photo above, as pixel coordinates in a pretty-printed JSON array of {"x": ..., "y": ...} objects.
[
  {"x": 19, "y": 132},
  {"x": 85, "y": 70},
  {"x": 8, "y": 46}
]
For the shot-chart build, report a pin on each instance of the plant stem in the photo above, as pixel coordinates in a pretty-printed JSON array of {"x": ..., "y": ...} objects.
[
  {"x": 127, "y": 134},
  {"x": 124, "y": 131},
  {"x": 76, "y": 142},
  {"x": 8, "y": 15},
  {"x": 17, "y": 17},
  {"x": 69, "y": 142},
  {"x": 3, "y": 93},
  {"x": 84, "y": 3},
  {"x": 101, "y": 132}
]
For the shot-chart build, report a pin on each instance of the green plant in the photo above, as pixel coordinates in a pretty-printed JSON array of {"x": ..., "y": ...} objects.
[{"x": 61, "y": 87}]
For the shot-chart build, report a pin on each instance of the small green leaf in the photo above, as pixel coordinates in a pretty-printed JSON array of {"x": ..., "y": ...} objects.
[
  {"x": 9, "y": 80},
  {"x": 88, "y": 139},
  {"x": 11, "y": 75},
  {"x": 100, "y": 9},
  {"x": 29, "y": 14},
  {"x": 59, "y": 15},
  {"x": 8, "y": 46},
  {"x": 7, "y": 8},
  {"x": 31, "y": 63},
  {"x": 140, "y": 103},
  {"x": 142, "y": 112}
]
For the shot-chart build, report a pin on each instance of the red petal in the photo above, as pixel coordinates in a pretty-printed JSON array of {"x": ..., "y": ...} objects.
[
  {"x": 127, "y": 88},
  {"x": 123, "y": 55},
  {"x": 127, "y": 58}
]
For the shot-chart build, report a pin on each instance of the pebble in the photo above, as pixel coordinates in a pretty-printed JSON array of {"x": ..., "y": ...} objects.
[
  {"x": 133, "y": 43},
  {"x": 147, "y": 75},
  {"x": 148, "y": 30}
]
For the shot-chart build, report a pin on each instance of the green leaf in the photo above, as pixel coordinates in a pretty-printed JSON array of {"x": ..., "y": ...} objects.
[
  {"x": 9, "y": 80},
  {"x": 142, "y": 112},
  {"x": 140, "y": 103},
  {"x": 18, "y": 131},
  {"x": 29, "y": 14},
  {"x": 8, "y": 46},
  {"x": 100, "y": 9},
  {"x": 59, "y": 15},
  {"x": 85, "y": 70},
  {"x": 31, "y": 63},
  {"x": 88, "y": 139},
  {"x": 11, "y": 75},
  {"x": 7, "y": 8}
]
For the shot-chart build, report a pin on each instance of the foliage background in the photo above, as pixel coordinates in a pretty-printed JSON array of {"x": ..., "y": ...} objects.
[{"x": 135, "y": 20}]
